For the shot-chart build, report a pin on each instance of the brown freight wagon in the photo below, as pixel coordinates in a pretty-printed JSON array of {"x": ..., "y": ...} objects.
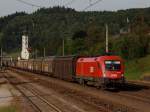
[
  {"x": 6, "y": 61},
  {"x": 37, "y": 65},
  {"x": 64, "y": 67},
  {"x": 25, "y": 64},
  {"x": 30, "y": 64},
  {"x": 19, "y": 63},
  {"x": 13, "y": 63},
  {"x": 47, "y": 65}
]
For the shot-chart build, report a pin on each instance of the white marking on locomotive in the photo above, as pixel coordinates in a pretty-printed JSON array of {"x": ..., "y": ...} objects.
[{"x": 91, "y": 69}]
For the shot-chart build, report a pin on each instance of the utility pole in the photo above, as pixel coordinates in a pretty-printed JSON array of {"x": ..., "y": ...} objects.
[
  {"x": 36, "y": 53},
  {"x": 107, "y": 50},
  {"x": 1, "y": 56},
  {"x": 63, "y": 46},
  {"x": 44, "y": 52}
]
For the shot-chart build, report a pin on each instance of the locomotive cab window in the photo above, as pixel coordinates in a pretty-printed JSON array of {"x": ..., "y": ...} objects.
[{"x": 113, "y": 65}]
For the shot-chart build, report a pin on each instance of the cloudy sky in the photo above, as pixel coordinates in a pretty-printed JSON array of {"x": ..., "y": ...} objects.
[{"x": 11, "y": 6}]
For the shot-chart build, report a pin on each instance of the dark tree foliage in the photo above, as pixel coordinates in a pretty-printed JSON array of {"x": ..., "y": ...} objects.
[
  {"x": 82, "y": 32},
  {"x": 79, "y": 34}
]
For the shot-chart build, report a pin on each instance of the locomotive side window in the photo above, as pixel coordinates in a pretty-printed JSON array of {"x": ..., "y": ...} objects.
[{"x": 113, "y": 65}]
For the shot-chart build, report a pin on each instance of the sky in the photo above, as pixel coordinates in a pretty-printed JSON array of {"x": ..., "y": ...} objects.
[{"x": 12, "y": 6}]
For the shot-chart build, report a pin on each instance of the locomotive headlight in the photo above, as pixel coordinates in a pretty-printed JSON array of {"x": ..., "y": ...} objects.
[{"x": 104, "y": 74}]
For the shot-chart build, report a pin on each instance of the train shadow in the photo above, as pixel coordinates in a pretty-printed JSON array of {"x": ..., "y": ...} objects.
[{"x": 129, "y": 87}]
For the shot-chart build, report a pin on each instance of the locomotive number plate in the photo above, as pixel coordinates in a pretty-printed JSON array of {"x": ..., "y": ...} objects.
[{"x": 113, "y": 75}]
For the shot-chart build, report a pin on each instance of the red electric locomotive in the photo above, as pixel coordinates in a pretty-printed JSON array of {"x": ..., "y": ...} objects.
[{"x": 103, "y": 70}]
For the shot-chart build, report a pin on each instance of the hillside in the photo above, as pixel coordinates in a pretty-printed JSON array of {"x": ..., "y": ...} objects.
[
  {"x": 83, "y": 32},
  {"x": 138, "y": 68}
]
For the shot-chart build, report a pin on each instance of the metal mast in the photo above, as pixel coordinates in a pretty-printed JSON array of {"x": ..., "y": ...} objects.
[
  {"x": 107, "y": 49},
  {"x": 63, "y": 47},
  {"x": 1, "y": 56}
]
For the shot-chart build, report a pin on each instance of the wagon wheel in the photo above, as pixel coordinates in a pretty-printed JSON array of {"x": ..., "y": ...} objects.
[
  {"x": 82, "y": 81},
  {"x": 123, "y": 84},
  {"x": 103, "y": 86}
]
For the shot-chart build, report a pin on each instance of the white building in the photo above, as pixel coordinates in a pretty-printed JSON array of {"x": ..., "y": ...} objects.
[{"x": 25, "y": 52}]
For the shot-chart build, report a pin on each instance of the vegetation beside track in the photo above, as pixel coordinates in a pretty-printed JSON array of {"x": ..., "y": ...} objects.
[
  {"x": 138, "y": 68},
  {"x": 8, "y": 109}
]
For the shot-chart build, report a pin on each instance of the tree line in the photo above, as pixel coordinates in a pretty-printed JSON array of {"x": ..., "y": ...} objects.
[{"x": 83, "y": 32}]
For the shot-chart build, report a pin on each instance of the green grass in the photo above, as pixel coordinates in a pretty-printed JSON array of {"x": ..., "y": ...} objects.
[
  {"x": 15, "y": 55},
  {"x": 136, "y": 69},
  {"x": 8, "y": 109}
]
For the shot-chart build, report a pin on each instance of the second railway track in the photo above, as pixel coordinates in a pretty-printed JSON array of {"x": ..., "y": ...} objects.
[{"x": 33, "y": 97}]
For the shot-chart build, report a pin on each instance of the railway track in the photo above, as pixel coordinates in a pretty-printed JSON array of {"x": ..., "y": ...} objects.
[
  {"x": 134, "y": 91},
  {"x": 35, "y": 93},
  {"x": 29, "y": 87},
  {"x": 136, "y": 96},
  {"x": 87, "y": 99},
  {"x": 37, "y": 106}
]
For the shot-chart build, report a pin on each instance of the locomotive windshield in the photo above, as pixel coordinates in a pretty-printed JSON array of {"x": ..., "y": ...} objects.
[{"x": 113, "y": 65}]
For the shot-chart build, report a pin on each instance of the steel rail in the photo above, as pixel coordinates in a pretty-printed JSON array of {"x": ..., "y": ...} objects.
[
  {"x": 42, "y": 99},
  {"x": 24, "y": 95},
  {"x": 35, "y": 95}
]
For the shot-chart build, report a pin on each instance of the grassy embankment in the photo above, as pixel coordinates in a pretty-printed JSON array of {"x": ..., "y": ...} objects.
[
  {"x": 15, "y": 55},
  {"x": 8, "y": 109},
  {"x": 136, "y": 69}
]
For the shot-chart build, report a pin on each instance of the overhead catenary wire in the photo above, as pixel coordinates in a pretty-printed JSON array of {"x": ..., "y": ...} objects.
[
  {"x": 66, "y": 4},
  {"x": 90, "y": 1},
  {"x": 92, "y": 4},
  {"x": 69, "y": 3},
  {"x": 30, "y": 4},
  {"x": 40, "y": 6}
]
